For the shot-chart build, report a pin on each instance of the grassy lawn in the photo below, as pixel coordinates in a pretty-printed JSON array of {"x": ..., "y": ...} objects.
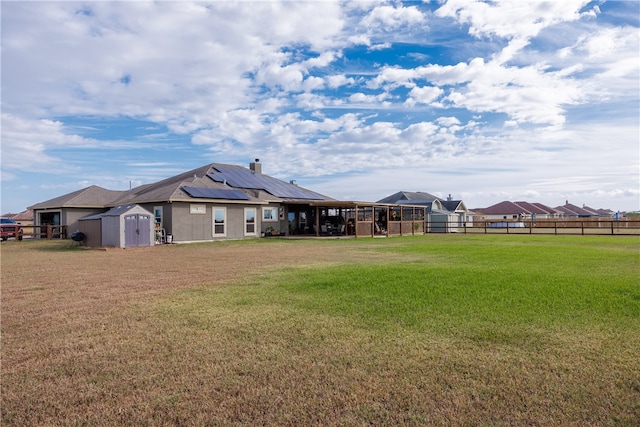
[{"x": 424, "y": 330}]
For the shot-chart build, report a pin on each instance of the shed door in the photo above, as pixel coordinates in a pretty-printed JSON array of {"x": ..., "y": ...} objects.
[{"x": 137, "y": 230}]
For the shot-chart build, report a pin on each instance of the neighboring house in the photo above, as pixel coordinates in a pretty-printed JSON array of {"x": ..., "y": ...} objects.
[
  {"x": 215, "y": 201},
  {"x": 459, "y": 209},
  {"x": 570, "y": 210},
  {"x": 24, "y": 218},
  {"x": 442, "y": 215},
  {"x": 515, "y": 211}
]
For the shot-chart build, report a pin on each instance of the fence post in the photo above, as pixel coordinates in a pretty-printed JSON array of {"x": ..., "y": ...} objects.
[
  {"x": 612, "y": 228},
  {"x": 582, "y": 227},
  {"x": 555, "y": 227}
]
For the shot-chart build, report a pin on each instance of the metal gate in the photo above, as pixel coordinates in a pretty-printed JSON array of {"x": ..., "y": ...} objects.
[{"x": 136, "y": 230}]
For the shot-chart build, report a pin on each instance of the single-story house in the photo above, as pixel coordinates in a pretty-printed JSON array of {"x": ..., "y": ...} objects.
[
  {"x": 571, "y": 210},
  {"x": 220, "y": 201},
  {"x": 515, "y": 211},
  {"x": 519, "y": 211}
]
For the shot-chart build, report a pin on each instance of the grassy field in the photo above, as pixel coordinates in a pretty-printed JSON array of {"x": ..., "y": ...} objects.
[{"x": 424, "y": 330}]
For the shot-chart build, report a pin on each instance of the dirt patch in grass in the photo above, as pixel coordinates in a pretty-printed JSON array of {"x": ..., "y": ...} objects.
[{"x": 161, "y": 336}]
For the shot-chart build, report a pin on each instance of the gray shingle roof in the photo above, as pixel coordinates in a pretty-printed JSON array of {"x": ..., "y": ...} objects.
[
  {"x": 90, "y": 197},
  {"x": 573, "y": 210},
  {"x": 259, "y": 189},
  {"x": 420, "y": 198},
  {"x": 409, "y": 196}
]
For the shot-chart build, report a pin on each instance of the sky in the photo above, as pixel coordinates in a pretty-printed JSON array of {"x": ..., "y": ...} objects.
[{"x": 485, "y": 101}]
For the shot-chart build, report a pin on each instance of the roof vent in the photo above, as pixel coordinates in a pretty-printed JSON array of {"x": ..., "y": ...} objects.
[{"x": 293, "y": 181}]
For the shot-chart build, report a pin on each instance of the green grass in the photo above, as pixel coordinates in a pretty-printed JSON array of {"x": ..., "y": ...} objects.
[
  {"x": 494, "y": 287},
  {"x": 514, "y": 329}
]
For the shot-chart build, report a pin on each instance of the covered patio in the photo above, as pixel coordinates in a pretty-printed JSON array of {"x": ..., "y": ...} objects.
[{"x": 356, "y": 219}]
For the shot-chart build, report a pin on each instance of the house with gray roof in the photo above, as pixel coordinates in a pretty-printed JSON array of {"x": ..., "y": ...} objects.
[
  {"x": 215, "y": 201},
  {"x": 571, "y": 210}
]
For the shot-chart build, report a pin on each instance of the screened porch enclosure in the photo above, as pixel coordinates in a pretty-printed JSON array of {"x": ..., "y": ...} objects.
[{"x": 356, "y": 219}]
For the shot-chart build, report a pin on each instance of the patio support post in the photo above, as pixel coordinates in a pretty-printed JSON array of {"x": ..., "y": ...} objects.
[
  {"x": 355, "y": 223},
  {"x": 387, "y": 219}
]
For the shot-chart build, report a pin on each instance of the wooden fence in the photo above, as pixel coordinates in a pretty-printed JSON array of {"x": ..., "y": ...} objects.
[
  {"x": 44, "y": 231},
  {"x": 569, "y": 226},
  {"x": 576, "y": 226}
]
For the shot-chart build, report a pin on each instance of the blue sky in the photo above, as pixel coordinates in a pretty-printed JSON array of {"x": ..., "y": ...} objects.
[{"x": 486, "y": 101}]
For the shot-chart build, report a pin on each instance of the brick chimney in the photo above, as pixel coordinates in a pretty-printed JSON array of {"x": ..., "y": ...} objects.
[{"x": 256, "y": 167}]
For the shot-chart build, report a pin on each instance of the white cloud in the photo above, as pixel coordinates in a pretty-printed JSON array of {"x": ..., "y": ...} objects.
[
  {"x": 424, "y": 95},
  {"x": 511, "y": 19},
  {"x": 361, "y": 98},
  {"x": 27, "y": 144},
  {"x": 389, "y": 17},
  {"x": 516, "y": 22},
  {"x": 448, "y": 121},
  {"x": 281, "y": 81},
  {"x": 339, "y": 80}
]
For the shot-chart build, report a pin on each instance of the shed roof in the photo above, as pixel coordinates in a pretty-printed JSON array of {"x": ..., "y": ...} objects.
[{"x": 116, "y": 211}]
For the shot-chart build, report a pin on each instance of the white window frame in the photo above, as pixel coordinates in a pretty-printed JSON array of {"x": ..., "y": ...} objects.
[
  {"x": 270, "y": 214},
  {"x": 247, "y": 224},
  {"x": 224, "y": 222},
  {"x": 158, "y": 224}
]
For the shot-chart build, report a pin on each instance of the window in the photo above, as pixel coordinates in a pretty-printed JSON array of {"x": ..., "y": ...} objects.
[
  {"x": 219, "y": 222},
  {"x": 157, "y": 214},
  {"x": 249, "y": 221},
  {"x": 269, "y": 214},
  {"x": 198, "y": 209}
]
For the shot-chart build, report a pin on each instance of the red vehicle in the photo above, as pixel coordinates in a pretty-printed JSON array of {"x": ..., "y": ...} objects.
[{"x": 10, "y": 228}]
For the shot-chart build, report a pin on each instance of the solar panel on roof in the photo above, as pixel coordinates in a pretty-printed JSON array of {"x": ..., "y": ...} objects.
[
  {"x": 241, "y": 178},
  {"x": 215, "y": 193},
  {"x": 244, "y": 178}
]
